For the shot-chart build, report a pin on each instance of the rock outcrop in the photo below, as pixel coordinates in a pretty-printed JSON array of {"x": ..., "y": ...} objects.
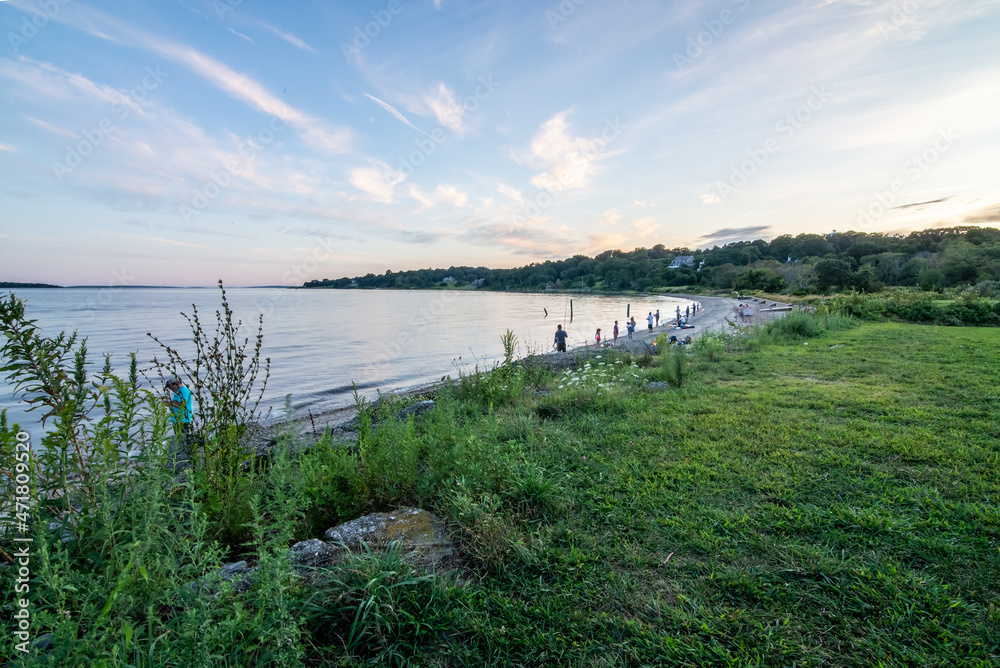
[{"x": 422, "y": 535}]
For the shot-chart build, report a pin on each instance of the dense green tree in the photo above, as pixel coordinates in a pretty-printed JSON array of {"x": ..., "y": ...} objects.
[
  {"x": 833, "y": 272},
  {"x": 930, "y": 278},
  {"x": 960, "y": 262},
  {"x": 958, "y": 256},
  {"x": 759, "y": 279}
]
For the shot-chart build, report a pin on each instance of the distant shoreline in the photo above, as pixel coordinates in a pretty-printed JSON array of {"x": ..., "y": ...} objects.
[{"x": 22, "y": 286}]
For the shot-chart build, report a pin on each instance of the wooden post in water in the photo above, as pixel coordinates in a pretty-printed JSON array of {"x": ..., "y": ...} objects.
[
  {"x": 571, "y": 310},
  {"x": 628, "y": 311}
]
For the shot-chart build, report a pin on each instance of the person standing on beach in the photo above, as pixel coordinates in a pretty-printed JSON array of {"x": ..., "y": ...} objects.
[
  {"x": 649, "y": 321},
  {"x": 615, "y": 333},
  {"x": 598, "y": 337},
  {"x": 181, "y": 402},
  {"x": 630, "y": 327},
  {"x": 560, "y": 339},
  {"x": 657, "y": 316},
  {"x": 687, "y": 311}
]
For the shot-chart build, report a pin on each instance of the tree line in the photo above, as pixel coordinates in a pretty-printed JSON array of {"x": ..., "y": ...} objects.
[{"x": 931, "y": 259}]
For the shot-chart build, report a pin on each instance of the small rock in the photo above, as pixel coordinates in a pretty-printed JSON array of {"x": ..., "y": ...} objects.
[
  {"x": 657, "y": 385},
  {"x": 238, "y": 571},
  {"x": 313, "y": 553},
  {"x": 230, "y": 571}
]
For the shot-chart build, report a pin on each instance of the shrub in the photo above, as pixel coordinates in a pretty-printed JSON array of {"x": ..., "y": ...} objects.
[
  {"x": 920, "y": 307},
  {"x": 794, "y": 326},
  {"x": 673, "y": 363},
  {"x": 330, "y": 483},
  {"x": 222, "y": 375},
  {"x": 124, "y": 557},
  {"x": 711, "y": 346}
]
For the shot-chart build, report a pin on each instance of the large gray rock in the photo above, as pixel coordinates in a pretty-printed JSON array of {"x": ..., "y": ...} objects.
[{"x": 423, "y": 537}]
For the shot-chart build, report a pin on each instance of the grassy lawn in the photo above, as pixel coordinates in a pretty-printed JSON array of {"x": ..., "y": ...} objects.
[
  {"x": 833, "y": 502},
  {"x": 758, "y": 500}
]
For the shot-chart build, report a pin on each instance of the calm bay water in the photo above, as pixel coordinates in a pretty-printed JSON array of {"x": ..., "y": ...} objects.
[{"x": 319, "y": 341}]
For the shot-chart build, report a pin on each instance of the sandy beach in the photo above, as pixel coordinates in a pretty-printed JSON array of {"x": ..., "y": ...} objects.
[{"x": 713, "y": 316}]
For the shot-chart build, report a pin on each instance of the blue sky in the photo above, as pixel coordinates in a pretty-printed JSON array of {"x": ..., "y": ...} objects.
[{"x": 183, "y": 141}]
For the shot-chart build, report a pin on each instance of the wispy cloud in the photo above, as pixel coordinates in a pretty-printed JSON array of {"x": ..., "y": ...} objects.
[
  {"x": 569, "y": 161},
  {"x": 48, "y": 81},
  {"x": 602, "y": 242},
  {"x": 441, "y": 194},
  {"x": 49, "y": 127},
  {"x": 379, "y": 181},
  {"x": 242, "y": 87},
  {"x": 990, "y": 214},
  {"x": 161, "y": 240},
  {"x": 521, "y": 238},
  {"x": 6, "y": 147},
  {"x": 921, "y": 204},
  {"x": 448, "y": 111},
  {"x": 610, "y": 217},
  {"x": 396, "y": 113},
  {"x": 645, "y": 227},
  {"x": 731, "y": 234},
  {"x": 510, "y": 192},
  {"x": 419, "y": 237},
  {"x": 288, "y": 37},
  {"x": 152, "y": 154},
  {"x": 239, "y": 34}
]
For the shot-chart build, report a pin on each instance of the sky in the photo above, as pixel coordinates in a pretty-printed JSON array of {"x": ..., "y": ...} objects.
[{"x": 180, "y": 142}]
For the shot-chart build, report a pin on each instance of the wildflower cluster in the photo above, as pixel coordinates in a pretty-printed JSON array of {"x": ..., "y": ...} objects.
[{"x": 600, "y": 376}]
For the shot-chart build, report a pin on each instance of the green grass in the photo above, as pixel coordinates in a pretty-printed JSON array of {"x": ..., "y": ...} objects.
[
  {"x": 810, "y": 494},
  {"x": 796, "y": 505}
]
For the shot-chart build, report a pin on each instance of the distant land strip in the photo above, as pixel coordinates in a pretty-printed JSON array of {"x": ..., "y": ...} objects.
[{"x": 14, "y": 284}]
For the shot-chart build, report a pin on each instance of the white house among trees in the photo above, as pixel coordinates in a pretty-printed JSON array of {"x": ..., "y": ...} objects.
[{"x": 682, "y": 261}]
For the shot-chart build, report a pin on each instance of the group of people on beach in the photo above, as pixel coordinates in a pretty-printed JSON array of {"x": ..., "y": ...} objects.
[
  {"x": 652, "y": 321},
  {"x": 745, "y": 312}
]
